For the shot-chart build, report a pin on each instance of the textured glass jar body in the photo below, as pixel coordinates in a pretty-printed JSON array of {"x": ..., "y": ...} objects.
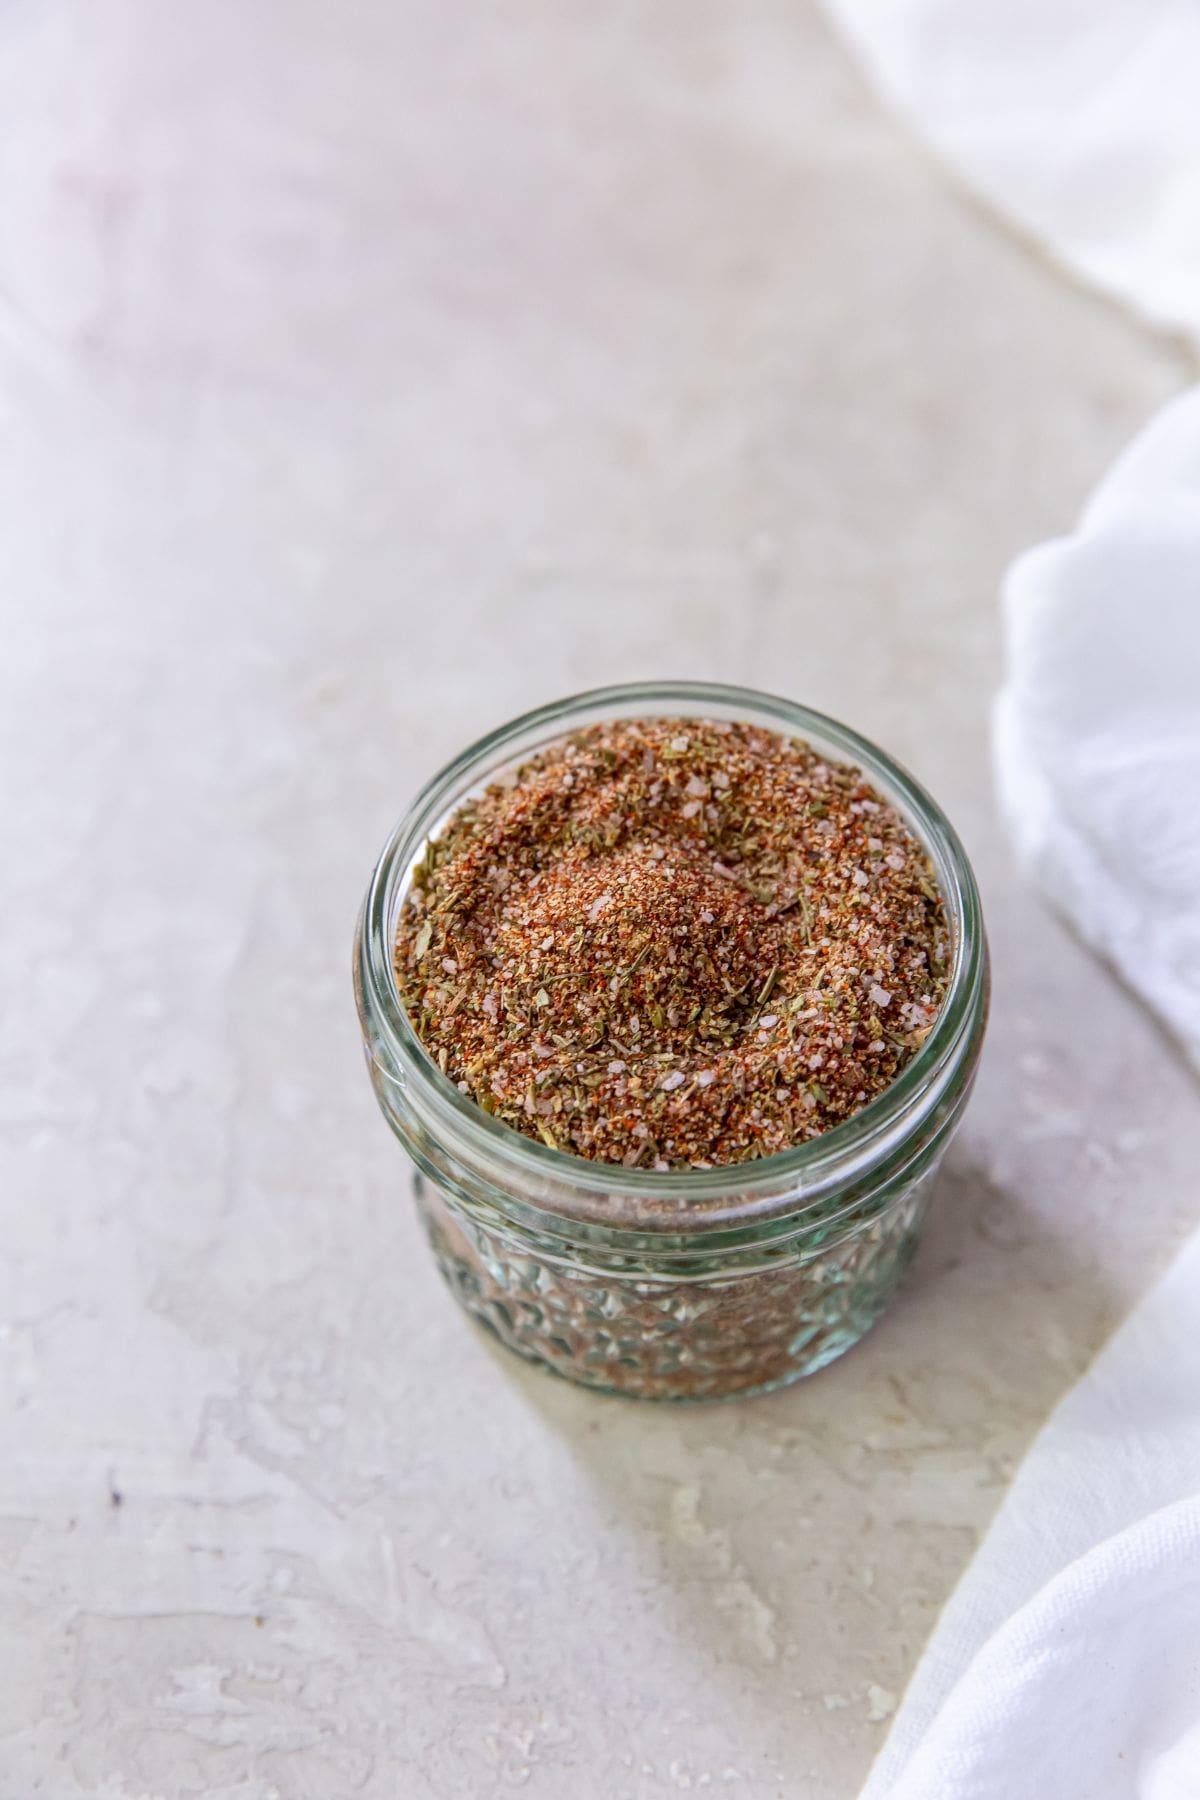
[
  {"x": 738, "y": 1322},
  {"x": 687, "y": 1284}
]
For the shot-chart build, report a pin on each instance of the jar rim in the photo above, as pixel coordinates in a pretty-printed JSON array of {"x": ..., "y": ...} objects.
[{"x": 561, "y": 1185}]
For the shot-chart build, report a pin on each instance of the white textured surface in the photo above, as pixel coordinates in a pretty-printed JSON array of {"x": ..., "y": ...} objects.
[{"x": 366, "y": 374}]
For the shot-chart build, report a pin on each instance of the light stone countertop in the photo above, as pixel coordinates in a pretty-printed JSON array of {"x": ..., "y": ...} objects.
[{"x": 367, "y": 374}]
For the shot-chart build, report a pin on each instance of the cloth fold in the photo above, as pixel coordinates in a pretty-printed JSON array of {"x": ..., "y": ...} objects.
[{"x": 1098, "y": 726}]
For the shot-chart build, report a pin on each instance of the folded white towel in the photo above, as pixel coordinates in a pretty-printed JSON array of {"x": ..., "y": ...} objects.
[
  {"x": 1078, "y": 119},
  {"x": 1098, "y": 727}
]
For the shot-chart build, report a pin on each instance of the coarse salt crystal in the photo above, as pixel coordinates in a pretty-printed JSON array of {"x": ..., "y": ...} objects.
[
  {"x": 706, "y": 918},
  {"x": 861, "y": 878},
  {"x": 670, "y": 1082},
  {"x": 817, "y": 1061},
  {"x": 449, "y": 964},
  {"x": 489, "y": 1005},
  {"x": 769, "y": 1020},
  {"x": 894, "y": 859},
  {"x": 879, "y": 996},
  {"x": 706, "y": 1077},
  {"x": 598, "y": 906},
  {"x": 548, "y": 941},
  {"x": 680, "y": 743},
  {"x": 877, "y": 1046},
  {"x": 690, "y": 810},
  {"x": 874, "y": 843},
  {"x": 697, "y": 787},
  {"x": 616, "y": 1066}
]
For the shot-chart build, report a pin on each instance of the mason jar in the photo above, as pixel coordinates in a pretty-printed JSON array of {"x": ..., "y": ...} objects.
[{"x": 691, "y": 1283}]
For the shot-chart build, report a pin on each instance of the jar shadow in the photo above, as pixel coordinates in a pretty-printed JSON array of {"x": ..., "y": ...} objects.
[{"x": 792, "y": 1535}]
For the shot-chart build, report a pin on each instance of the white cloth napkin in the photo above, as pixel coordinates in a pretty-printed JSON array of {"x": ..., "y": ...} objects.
[
  {"x": 1078, "y": 119},
  {"x": 1098, "y": 728}
]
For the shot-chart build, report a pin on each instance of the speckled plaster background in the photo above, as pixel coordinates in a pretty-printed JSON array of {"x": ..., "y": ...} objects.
[{"x": 367, "y": 374}]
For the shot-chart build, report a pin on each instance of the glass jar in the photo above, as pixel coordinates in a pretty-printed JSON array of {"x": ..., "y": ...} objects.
[{"x": 696, "y": 1283}]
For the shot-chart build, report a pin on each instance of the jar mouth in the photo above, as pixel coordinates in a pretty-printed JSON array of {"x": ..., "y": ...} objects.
[{"x": 609, "y": 1194}]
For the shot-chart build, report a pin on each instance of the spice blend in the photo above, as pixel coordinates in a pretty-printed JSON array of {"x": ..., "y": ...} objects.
[{"x": 673, "y": 944}]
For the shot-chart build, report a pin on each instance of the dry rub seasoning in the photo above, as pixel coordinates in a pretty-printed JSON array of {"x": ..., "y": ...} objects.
[{"x": 673, "y": 944}]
